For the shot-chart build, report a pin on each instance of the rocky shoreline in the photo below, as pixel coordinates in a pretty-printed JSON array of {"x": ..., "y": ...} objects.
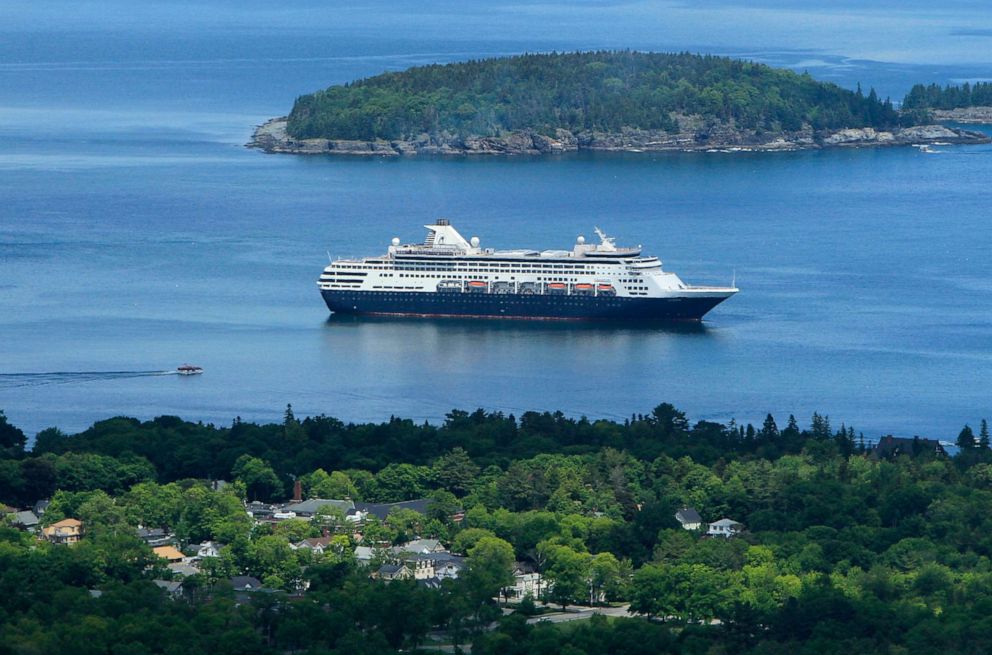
[
  {"x": 694, "y": 135},
  {"x": 976, "y": 115}
]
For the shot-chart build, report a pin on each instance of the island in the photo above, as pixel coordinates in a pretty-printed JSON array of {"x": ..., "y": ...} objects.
[
  {"x": 965, "y": 103},
  {"x": 601, "y": 101}
]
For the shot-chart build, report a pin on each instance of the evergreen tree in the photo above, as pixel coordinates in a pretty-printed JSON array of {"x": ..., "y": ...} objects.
[
  {"x": 983, "y": 435},
  {"x": 966, "y": 438},
  {"x": 769, "y": 430}
]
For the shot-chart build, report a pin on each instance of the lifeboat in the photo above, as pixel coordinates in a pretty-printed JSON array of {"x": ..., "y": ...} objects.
[
  {"x": 605, "y": 287},
  {"x": 560, "y": 286},
  {"x": 477, "y": 284},
  {"x": 582, "y": 286}
]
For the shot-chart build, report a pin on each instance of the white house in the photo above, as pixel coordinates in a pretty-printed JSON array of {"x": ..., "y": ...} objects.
[
  {"x": 724, "y": 528},
  {"x": 689, "y": 518}
]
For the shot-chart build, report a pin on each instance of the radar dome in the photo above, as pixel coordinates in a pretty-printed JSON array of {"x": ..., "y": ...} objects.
[
  {"x": 396, "y": 241},
  {"x": 475, "y": 242},
  {"x": 580, "y": 240}
]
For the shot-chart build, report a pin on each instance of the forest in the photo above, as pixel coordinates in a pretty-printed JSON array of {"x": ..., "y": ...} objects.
[
  {"x": 603, "y": 91},
  {"x": 952, "y": 96},
  {"x": 847, "y": 548}
]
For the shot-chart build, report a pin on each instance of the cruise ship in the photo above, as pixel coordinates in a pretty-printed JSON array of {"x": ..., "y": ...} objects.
[{"x": 449, "y": 276}]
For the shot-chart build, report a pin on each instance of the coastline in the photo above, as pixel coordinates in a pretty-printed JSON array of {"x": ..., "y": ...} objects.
[
  {"x": 694, "y": 136},
  {"x": 972, "y": 115}
]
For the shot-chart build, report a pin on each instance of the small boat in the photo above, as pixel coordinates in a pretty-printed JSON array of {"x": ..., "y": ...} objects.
[
  {"x": 189, "y": 369},
  {"x": 605, "y": 287},
  {"x": 582, "y": 286},
  {"x": 476, "y": 284},
  {"x": 557, "y": 286}
]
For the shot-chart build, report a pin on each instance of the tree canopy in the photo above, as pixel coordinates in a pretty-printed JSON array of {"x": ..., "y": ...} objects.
[{"x": 602, "y": 91}]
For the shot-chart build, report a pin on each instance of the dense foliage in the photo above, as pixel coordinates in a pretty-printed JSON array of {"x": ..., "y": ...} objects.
[
  {"x": 951, "y": 96},
  {"x": 587, "y": 91},
  {"x": 846, "y": 550}
]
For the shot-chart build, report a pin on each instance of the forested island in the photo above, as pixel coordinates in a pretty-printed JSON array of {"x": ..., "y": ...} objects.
[
  {"x": 657, "y": 534},
  {"x": 965, "y": 103},
  {"x": 609, "y": 101}
]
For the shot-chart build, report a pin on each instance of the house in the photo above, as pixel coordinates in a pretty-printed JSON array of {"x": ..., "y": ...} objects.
[
  {"x": 66, "y": 531},
  {"x": 260, "y": 511},
  {"x": 184, "y": 569},
  {"x": 246, "y": 583},
  {"x": 689, "y": 518},
  {"x": 206, "y": 549},
  {"x": 434, "y": 565},
  {"x": 390, "y": 572},
  {"x": 309, "y": 508},
  {"x": 40, "y": 507},
  {"x": 364, "y": 554},
  {"x": 526, "y": 582},
  {"x": 430, "y": 583},
  {"x": 171, "y": 554},
  {"x": 889, "y": 447},
  {"x": 174, "y": 588},
  {"x": 316, "y": 545},
  {"x": 24, "y": 520},
  {"x": 419, "y": 546},
  {"x": 156, "y": 537},
  {"x": 724, "y": 528},
  {"x": 382, "y": 510}
]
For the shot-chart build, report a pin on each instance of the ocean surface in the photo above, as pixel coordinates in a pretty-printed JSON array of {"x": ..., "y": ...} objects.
[{"x": 137, "y": 233}]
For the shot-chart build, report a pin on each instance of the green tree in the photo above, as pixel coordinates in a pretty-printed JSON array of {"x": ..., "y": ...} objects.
[
  {"x": 983, "y": 435},
  {"x": 966, "y": 438},
  {"x": 689, "y": 592},
  {"x": 320, "y": 484},
  {"x": 12, "y": 439},
  {"x": 261, "y": 482},
  {"x": 567, "y": 574},
  {"x": 490, "y": 569},
  {"x": 455, "y": 471}
]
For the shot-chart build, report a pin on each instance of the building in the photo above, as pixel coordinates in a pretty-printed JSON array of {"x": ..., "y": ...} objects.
[
  {"x": 156, "y": 537},
  {"x": 526, "y": 582},
  {"x": 724, "y": 528},
  {"x": 66, "y": 531},
  {"x": 24, "y": 520},
  {"x": 389, "y": 572},
  {"x": 889, "y": 447},
  {"x": 421, "y": 546},
  {"x": 689, "y": 518},
  {"x": 316, "y": 545},
  {"x": 206, "y": 549},
  {"x": 174, "y": 588},
  {"x": 170, "y": 554},
  {"x": 308, "y": 508}
]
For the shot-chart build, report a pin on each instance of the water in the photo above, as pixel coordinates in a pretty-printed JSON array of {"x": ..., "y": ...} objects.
[{"x": 136, "y": 233}]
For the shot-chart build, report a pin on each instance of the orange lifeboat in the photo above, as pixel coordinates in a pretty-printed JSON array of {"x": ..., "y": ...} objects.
[
  {"x": 477, "y": 284},
  {"x": 582, "y": 286},
  {"x": 556, "y": 285},
  {"x": 605, "y": 287}
]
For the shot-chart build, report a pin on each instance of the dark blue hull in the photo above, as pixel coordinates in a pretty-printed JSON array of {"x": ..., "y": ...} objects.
[{"x": 519, "y": 306}]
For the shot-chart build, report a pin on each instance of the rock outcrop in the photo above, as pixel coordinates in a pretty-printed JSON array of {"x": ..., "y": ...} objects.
[
  {"x": 964, "y": 115},
  {"x": 694, "y": 134}
]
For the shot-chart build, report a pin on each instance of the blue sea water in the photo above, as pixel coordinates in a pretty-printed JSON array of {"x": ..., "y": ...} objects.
[{"x": 137, "y": 233}]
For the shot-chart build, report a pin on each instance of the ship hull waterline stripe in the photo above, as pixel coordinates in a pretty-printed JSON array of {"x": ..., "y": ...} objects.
[{"x": 539, "y": 307}]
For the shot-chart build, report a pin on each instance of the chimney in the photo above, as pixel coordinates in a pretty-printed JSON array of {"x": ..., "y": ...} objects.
[{"x": 297, "y": 491}]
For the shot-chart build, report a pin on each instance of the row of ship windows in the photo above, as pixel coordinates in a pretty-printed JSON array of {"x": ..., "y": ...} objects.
[{"x": 470, "y": 268}]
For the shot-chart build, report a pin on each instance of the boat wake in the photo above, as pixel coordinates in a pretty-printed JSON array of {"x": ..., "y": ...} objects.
[{"x": 17, "y": 380}]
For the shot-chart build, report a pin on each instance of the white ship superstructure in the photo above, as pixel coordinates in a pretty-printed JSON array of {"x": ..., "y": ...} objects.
[{"x": 449, "y": 275}]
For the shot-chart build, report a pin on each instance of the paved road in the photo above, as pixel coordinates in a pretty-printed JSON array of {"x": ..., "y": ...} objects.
[{"x": 579, "y": 613}]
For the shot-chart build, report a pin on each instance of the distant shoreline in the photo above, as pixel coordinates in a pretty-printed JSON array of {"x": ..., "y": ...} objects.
[
  {"x": 973, "y": 115},
  {"x": 271, "y": 137}
]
